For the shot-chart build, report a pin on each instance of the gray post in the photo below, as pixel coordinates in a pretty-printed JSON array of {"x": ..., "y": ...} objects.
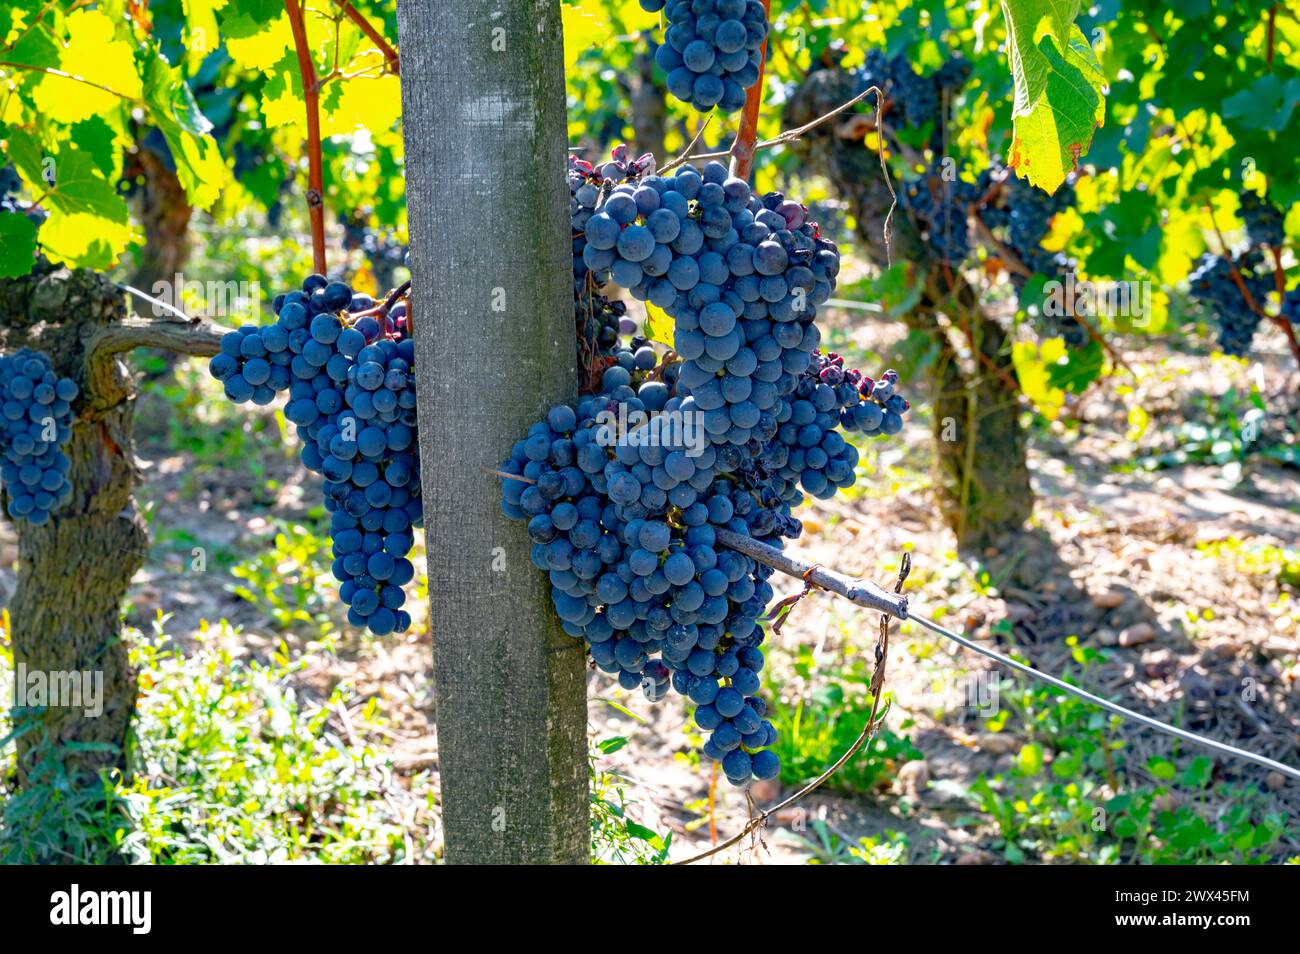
[{"x": 488, "y": 209}]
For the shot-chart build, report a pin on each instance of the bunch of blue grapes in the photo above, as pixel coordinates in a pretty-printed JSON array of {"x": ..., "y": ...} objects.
[
  {"x": 915, "y": 98},
  {"x": 1264, "y": 221},
  {"x": 657, "y": 602},
  {"x": 712, "y": 50},
  {"x": 35, "y": 424},
  {"x": 741, "y": 276},
  {"x": 1212, "y": 286},
  {"x": 810, "y": 451},
  {"x": 642, "y": 580},
  {"x": 600, "y": 320},
  {"x": 625, "y": 492},
  {"x": 348, "y": 367},
  {"x": 940, "y": 203}
]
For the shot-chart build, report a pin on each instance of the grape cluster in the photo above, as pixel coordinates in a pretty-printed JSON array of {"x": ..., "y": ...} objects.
[
  {"x": 35, "y": 424},
  {"x": 940, "y": 203},
  {"x": 347, "y": 365},
  {"x": 741, "y": 276},
  {"x": 809, "y": 449},
  {"x": 1212, "y": 286},
  {"x": 1263, "y": 220},
  {"x": 915, "y": 98},
  {"x": 600, "y": 320},
  {"x": 625, "y": 492},
  {"x": 712, "y": 50}
]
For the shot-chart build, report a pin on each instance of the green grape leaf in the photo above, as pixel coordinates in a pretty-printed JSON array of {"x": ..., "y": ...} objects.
[
  {"x": 1059, "y": 89},
  {"x": 1078, "y": 368},
  {"x": 172, "y": 108},
  {"x": 80, "y": 189},
  {"x": 17, "y": 244},
  {"x": 1268, "y": 103},
  {"x": 97, "y": 139},
  {"x": 37, "y": 49},
  {"x": 89, "y": 225}
]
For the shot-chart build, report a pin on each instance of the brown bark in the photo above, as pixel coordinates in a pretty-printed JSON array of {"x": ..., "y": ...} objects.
[{"x": 165, "y": 212}]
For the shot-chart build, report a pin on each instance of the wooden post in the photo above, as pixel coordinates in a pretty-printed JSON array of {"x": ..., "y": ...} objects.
[{"x": 488, "y": 210}]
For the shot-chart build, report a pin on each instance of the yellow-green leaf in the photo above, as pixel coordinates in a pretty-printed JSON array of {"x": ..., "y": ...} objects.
[
  {"x": 83, "y": 240},
  {"x": 96, "y": 62},
  {"x": 372, "y": 103},
  {"x": 1059, "y": 87},
  {"x": 658, "y": 326},
  {"x": 1034, "y": 370},
  {"x": 257, "y": 46}
]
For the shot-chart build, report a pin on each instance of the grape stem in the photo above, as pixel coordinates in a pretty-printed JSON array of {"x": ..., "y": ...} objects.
[
  {"x": 1279, "y": 278},
  {"x": 875, "y": 721},
  {"x": 1272, "y": 33},
  {"x": 401, "y": 291},
  {"x": 311, "y": 96},
  {"x": 686, "y": 153},
  {"x": 377, "y": 38},
  {"x": 743, "y": 149},
  {"x": 789, "y": 135}
]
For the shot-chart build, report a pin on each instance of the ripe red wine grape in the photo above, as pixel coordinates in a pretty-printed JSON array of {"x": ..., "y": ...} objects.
[
  {"x": 348, "y": 368},
  {"x": 711, "y": 51},
  {"x": 623, "y": 508},
  {"x": 35, "y": 424}
]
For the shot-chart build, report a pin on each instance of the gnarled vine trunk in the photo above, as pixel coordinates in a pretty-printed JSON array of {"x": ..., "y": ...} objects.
[
  {"x": 165, "y": 213},
  {"x": 74, "y": 571},
  {"x": 980, "y": 445}
]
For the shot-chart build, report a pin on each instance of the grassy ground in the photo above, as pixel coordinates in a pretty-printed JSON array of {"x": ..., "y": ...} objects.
[{"x": 1160, "y": 569}]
